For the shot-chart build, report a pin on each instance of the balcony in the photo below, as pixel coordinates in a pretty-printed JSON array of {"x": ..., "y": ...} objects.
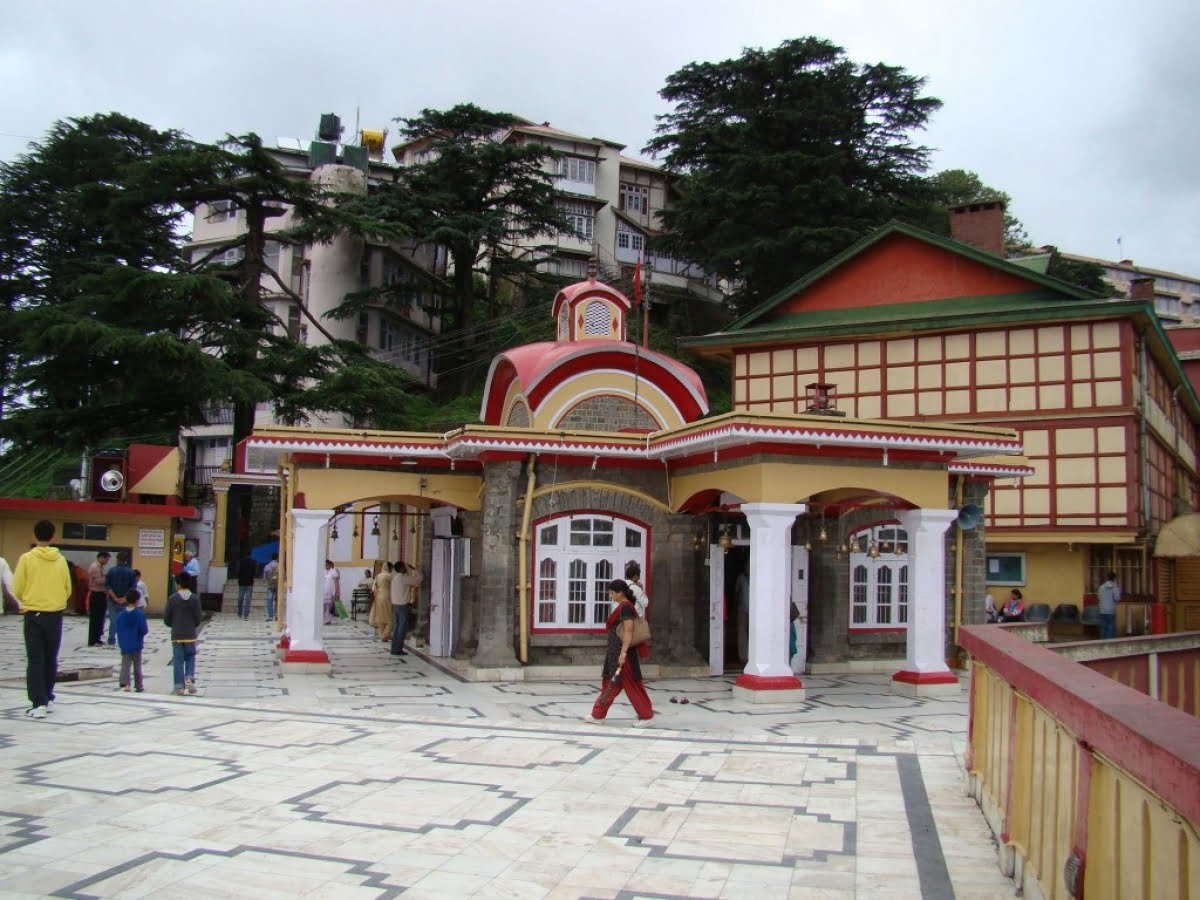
[{"x": 1089, "y": 785}]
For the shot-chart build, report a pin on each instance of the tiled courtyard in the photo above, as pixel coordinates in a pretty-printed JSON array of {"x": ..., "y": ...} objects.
[{"x": 391, "y": 777}]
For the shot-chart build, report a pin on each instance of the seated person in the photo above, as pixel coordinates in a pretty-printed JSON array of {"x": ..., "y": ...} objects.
[{"x": 1014, "y": 609}]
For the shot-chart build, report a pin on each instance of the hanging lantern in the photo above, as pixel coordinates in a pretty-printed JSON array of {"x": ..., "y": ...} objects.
[
  {"x": 375, "y": 527},
  {"x": 823, "y": 536},
  {"x": 395, "y": 533},
  {"x": 725, "y": 540},
  {"x": 808, "y": 545},
  {"x": 354, "y": 533},
  {"x": 873, "y": 552},
  {"x": 333, "y": 531}
]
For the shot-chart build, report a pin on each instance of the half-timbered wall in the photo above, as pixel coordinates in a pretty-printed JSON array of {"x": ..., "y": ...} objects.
[
  {"x": 1081, "y": 477},
  {"x": 1042, "y": 381},
  {"x": 1056, "y": 368}
]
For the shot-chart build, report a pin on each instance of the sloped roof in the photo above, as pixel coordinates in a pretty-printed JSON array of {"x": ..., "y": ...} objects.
[{"x": 1067, "y": 291}]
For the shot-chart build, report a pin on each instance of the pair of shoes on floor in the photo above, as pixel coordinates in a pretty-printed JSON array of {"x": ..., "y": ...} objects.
[
  {"x": 680, "y": 700},
  {"x": 37, "y": 712}
]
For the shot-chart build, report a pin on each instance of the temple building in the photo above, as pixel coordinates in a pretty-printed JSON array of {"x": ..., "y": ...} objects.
[{"x": 591, "y": 452}]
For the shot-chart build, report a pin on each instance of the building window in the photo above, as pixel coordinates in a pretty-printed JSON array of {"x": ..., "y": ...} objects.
[
  {"x": 629, "y": 240},
  {"x": 364, "y": 321},
  {"x": 271, "y": 254},
  {"x": 577, "y": 556},
  {"x": 84, "y": 531},
  {"x": 388, "y": 334},
  {"x": 1168, "y": 306},
  {"x": 222, "y": 211},
  {"x": 228, "y": 257},
  {"x": 1005, "y": 569},
  {"x": 581, "y": 217},
  {"x": 294, "y": 329},
  {"x": 634, "y": 198},
  {"x": 572, "y": 168},
  {"x": 879, "y": 582}
]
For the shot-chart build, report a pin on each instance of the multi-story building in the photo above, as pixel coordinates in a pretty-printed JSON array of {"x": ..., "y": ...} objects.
[
  {"x": 614, "y": 204},
  {"x": 305, "y": 282},
  {"x": 1176, "y": 296}
]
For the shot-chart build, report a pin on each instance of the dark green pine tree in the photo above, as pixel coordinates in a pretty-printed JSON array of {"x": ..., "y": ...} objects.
[
  {"x": 109, "y": 332},
  {"x": 482, "y": 193},
  {"x": 784, "y": 157}
]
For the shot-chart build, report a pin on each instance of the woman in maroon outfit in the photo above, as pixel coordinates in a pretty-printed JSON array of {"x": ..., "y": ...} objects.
[{"x": 621, "y": 672}]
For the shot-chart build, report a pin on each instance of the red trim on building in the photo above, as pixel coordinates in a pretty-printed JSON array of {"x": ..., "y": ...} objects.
[
  {"x": 305, "y": 656},
  {"x": 768, "y": 682},
  {"x": 908, "y": 677},
  {"x": 98, "y": 508}
]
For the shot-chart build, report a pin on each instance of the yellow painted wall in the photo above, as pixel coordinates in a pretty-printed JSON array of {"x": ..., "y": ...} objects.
[
  {"x": 16, "y": 534},
  {"x": 1053, "y": 575},
  {"x": 795, "y": 482},
  {"x": 327, "y": 488}
]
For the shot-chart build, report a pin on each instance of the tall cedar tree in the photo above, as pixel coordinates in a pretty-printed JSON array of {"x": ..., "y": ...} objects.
[
  {"x": 482, "y": 192},
  {"x": 784, "y": 157},
  {"x": 110, "y": 333}
]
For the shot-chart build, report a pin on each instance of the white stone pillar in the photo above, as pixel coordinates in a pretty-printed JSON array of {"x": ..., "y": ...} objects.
[
  {"x": 925, "y": 671},
  {"x": 306, "y": 651},
  {"x": 768, "y": 676}
]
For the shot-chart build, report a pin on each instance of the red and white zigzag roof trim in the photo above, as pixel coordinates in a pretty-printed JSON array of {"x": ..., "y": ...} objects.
[
  {"x": 968, "y": 468},
  {"x": 459, "y": 445}
]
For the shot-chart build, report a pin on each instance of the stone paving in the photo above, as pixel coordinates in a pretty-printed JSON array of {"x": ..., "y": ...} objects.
[{"x": 390, "y": 776}]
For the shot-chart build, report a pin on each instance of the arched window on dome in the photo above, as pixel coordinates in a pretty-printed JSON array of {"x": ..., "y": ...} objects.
[
  {"x": 595, "y": 320},
  {"x": 564, "y": 323}
]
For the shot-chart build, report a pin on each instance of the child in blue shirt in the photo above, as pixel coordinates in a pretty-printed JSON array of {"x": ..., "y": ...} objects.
[{"x": 131, "y": 633}]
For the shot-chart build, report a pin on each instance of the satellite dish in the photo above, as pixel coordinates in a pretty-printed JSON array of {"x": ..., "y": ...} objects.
[
  {"x": 112, "y": 481},
  {"x": 969, "y": 516}
]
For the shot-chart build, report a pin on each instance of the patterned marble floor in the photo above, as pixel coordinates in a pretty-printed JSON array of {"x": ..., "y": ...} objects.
[{"x": 390, "y": 777}]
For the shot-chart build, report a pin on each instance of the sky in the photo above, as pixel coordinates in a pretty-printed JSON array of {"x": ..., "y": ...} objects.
[{"x": 1085, "y": 113}]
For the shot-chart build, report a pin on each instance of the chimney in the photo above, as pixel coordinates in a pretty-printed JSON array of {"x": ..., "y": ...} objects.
[
  {"x": 1142, "y": 288},
  {"x": 980, "y": 225}
]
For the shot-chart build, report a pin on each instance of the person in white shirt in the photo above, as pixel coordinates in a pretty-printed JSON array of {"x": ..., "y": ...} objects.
[
  {"x": 140, "y": 587},
  {"x": 633, "y": 577}
]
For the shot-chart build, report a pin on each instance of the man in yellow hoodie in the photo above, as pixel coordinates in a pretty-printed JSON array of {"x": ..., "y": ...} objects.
[{"x": 42, "y": 585}]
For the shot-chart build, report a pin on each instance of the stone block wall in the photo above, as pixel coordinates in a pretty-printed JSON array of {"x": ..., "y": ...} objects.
[{"x": 607, "y": 413}]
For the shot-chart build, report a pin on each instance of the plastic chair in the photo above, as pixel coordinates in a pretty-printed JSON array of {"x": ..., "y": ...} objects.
[
  {"x": 1037, "y": 612},
  {"x": 1065, "y": 614}
]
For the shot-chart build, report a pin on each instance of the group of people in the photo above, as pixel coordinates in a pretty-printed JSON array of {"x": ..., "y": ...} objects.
[
  {"x": 247, "y": 572},
  {"x": 393, "y": 588},
  {"x": 39, "y": 589},
  {"x": 1108, "y": 595},
  {"x": 107, "y": 592}
]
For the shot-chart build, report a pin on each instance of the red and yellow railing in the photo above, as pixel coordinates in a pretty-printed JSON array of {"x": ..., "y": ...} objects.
[{"x": 1092, "y": 788}]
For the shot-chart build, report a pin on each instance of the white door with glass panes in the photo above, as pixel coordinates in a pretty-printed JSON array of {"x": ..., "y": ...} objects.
[
  {"x": 879, "y": 572},
  {"x": 576, "y": 557}
]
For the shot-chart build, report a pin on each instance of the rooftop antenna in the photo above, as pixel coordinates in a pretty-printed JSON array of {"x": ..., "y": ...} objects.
[
  {"x": 357, "y": 133},
  {"x": 1120, "y": 249}
]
